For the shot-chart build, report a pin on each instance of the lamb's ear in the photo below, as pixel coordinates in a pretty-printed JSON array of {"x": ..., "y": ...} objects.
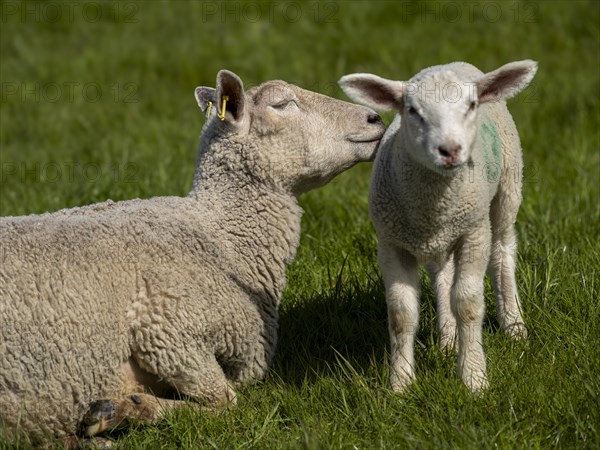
[
  {"x": 230, "y": 92},
  {"x": 506, "y": 81},
  {"x": 204, "y": 97},
  {"x": 373, "y": 91}
]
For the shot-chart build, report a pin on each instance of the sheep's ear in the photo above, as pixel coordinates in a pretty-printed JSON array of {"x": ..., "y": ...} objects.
[
  {"x": 506, "y": 81},
  {"x": 373, "y": 91},
  {"x": 231, "y": 95},
  {"x": 205, "y": 96}
]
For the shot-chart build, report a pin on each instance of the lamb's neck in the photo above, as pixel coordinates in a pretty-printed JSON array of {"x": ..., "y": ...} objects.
[
  {"x": 419, "y": 177},
  {"x": 430, "y": 210}
]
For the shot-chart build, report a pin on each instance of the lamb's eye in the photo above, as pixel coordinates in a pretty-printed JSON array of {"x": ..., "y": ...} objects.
[
  {"x": 472, "y": 106},
  {"x": 414, "y": 113}
]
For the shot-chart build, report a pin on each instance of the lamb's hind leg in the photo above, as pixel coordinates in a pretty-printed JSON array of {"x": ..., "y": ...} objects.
[
  {"x": 502, "y": 272},
  {"x": 503, "y": 214}
]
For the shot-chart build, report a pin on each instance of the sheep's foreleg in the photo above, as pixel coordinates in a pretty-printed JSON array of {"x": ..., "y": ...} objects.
[
  {"x": 112, "y": 413},
  {"x": 175, "y": 353}
]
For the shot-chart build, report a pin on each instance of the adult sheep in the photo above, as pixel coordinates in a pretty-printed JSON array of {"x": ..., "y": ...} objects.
[
  {"x": 115, "y": 304},
  {"x": 445, "y": 190}
]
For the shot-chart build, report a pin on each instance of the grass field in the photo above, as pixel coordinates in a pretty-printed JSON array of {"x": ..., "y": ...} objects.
[{"x": 97, "y": 102}]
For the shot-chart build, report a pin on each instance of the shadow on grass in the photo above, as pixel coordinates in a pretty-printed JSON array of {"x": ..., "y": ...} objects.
[
  {"x": 349, "y": 320},
  {"x": 346, "y": 320}
]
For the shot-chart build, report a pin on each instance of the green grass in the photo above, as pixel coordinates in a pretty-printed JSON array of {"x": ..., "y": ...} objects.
[{"x": 327, "y": 388}]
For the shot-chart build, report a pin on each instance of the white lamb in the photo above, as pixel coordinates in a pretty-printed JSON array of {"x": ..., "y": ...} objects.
[
  {"x": 445, "y": 190},
  {"x": 110, "y": 306}
]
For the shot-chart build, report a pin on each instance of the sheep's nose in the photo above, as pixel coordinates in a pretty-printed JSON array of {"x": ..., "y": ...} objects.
[
  {"x": 374, "y": 118},
  {"x": 449, "y": 152}
]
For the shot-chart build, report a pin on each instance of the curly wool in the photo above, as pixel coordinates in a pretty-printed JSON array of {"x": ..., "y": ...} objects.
[
  {"x": 170, "y": 293},
  {"x": 445, "y": 190},
  {"x": 162, "y": 262}
]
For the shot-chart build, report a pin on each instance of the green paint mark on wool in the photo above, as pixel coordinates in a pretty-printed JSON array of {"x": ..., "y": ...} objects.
[{"x": 491, "y": 142}]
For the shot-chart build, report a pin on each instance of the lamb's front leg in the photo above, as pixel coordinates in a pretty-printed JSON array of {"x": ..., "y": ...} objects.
[
  {"x": 469, "y": 307},
  {"x": 401, "y": 278},
  {"x": 442, "y": 277}
]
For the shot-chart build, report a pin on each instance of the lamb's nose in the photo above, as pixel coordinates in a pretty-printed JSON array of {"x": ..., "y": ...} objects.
[
  {"x": 374, "y": 118},
  {"x": 449, "y": 152}
]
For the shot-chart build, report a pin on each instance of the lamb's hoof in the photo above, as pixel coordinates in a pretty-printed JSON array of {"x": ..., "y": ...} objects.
[
  {"x": 477, "y": 383},
  {"x": 400, "y": 381},
  {"x": 449, "y": 345},
  {"x": 516, "y": 331},
  {"x": 101, "y": 416}
]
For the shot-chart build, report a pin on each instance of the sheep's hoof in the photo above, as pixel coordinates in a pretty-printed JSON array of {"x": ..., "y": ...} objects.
[
  {"x": 101, "y": 416},
  {"x": 95, "y": 443},
  {"x": 479, "y": 387},
  {"x": 107, "y": 414}
]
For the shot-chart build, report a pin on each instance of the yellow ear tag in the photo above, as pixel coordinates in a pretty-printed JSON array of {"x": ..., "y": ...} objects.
[
  {"x": 208, "y": 110},
  {"x": 221, "y": 115}
]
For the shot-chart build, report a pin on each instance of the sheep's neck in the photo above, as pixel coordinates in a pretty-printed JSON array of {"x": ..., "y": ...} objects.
[
  {"x": 261, "y": 232},
  {"x": 225, "y": 162}
]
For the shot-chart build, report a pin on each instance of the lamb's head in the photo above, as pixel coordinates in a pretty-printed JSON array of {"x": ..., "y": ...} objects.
[
  {"x": 290, "y": 137},
  {"x": 439, "y": 108}
]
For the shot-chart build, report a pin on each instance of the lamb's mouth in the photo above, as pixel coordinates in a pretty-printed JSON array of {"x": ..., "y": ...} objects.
[
  {"x": 455, "y": 165},
  {"x": 450, "y": 167}
]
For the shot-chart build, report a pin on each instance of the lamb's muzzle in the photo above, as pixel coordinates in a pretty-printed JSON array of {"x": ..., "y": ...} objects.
[{"x": 450, "y": 155}]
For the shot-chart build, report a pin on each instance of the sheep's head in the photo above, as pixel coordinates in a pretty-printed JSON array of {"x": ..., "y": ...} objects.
[
  {"x": 294, "y": 138},
  {"x": 438, "y": 108}
]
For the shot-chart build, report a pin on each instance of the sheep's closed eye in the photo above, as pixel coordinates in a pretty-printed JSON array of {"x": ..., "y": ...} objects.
[{"x": 284, "y": 104}]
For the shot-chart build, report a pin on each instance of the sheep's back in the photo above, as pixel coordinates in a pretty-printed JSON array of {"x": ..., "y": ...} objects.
[{"x": 66, "y": 282}]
